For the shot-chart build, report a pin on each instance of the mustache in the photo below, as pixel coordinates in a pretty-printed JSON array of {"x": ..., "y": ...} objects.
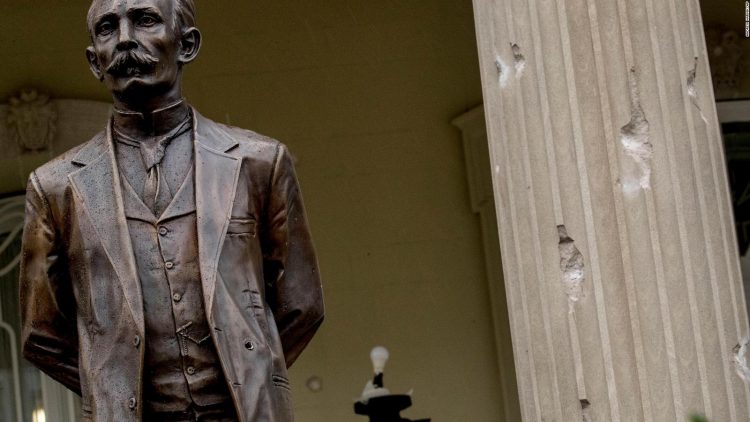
[{"x": 131, "y": 62}]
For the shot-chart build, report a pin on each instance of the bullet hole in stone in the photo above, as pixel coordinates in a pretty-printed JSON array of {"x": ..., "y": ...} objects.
[
  {"x": 503, "y": 71},
  {"x": 692, "y": 90},
  {"x": 634, "y": 137},
  {"x": 739, "y": 358},
  {"x": 519, "y": 61},
  {"x": 572, "y": 266},
  {"x": 585, "y": 405}
]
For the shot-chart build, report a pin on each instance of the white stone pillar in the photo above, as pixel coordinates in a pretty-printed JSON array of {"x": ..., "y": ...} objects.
[
  {"x": 476, "y": 155},
  {"x": 619, "y": 255}
]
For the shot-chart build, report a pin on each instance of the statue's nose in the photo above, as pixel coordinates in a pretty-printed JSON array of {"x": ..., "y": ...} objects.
[
  {"x": 126, "y": 40},
  {"x": 124, "y": 45}
]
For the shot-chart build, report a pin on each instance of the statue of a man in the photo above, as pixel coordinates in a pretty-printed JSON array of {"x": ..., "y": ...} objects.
[{"x": 168, "y": 272}]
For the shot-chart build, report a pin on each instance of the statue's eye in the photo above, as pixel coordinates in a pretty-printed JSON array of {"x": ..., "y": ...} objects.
[
  {"x": 147, "y": 20},
  {"x": 105, "y": 28}
]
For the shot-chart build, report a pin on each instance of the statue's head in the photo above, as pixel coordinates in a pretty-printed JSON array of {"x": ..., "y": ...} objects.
[{"x": 138, "y": 47}]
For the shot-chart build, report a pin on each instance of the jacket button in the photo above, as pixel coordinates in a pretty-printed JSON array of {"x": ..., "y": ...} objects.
[
  {"x": 136, "y": 341},
  {"x": 176, "y": 297},
  {"x": 163, "y": 231},
  {"x": 169, "y": 265},
  {"x": 249, "y": 345},
  {"x": 190, "y": 370},
  {"x": 131, "y": 402}
]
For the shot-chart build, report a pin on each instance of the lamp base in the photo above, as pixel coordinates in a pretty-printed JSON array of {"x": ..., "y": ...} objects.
[{"x": 386, "y": 408}]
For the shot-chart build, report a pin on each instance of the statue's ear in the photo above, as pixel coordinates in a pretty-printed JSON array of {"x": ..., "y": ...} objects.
[
  {"x": 190, "y": 44},
  {"x": 94, "y": 63}
]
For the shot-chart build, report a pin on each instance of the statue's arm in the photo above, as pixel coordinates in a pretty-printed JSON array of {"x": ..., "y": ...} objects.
[
  {"x": 49, "y": 337},
  {"x": 293, "y": 287}
]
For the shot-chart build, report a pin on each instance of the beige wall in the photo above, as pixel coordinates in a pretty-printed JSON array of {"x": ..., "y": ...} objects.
[{"x": 363, "y": 92}]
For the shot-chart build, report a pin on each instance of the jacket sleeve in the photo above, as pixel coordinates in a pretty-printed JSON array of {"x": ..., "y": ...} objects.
[
  {"x": 48, "y": 335},
  {"x": 293, "y": 288}
]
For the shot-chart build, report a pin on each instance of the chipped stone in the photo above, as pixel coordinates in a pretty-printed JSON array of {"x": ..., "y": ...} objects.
[
  {"x": 739, "y": 359},
  {"x": 585, "y": 412},
  {"x": 634, "y": 138},
  {"x": 572, "y": 266},
  {"x": 519, "y": 61},
  {"x": 693, "y": 91},
  {"x": 503, "y": 71}
]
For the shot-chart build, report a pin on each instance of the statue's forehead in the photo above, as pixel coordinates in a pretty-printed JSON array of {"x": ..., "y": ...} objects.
[{"x": 122, "y": 6}]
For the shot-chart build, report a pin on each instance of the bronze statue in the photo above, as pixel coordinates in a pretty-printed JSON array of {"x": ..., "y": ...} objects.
[{"x": 168, "y": 272}]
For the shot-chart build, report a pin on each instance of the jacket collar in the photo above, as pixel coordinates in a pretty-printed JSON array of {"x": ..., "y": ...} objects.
[
  {"x": 93, "y": 149},
  {"x": 211, "y": 134},
  {"x": 98, "y": 187},
  {"x": 216, "y": 177}
]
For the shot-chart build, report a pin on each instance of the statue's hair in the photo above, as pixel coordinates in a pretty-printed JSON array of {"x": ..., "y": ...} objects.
[{"x": 184, "y": 15}]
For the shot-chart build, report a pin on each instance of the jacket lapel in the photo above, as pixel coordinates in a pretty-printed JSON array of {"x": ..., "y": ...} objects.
[
  {"x": 98, "y": 188},
  {"x": 216, "y": 176}
]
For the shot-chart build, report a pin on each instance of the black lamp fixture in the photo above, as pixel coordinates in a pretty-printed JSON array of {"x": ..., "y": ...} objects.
[{"x": 377, "y": 402}]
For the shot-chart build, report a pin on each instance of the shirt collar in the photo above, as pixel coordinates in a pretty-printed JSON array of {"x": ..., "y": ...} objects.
[{"x": 143, "y": 125}]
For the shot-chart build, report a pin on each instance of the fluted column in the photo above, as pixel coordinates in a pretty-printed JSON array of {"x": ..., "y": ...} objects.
[{"x": 619, "y": 257}]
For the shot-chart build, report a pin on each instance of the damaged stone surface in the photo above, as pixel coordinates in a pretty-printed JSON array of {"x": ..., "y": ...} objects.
[
  {"x": 585, "y": 405},
  {"x": 519, "y": 61},
  {"x": 693, "y": 91},
  {"x": 572, "y": 266},
  {"x": 503, "y": 71},
  {"x": 739, "y": 358},
  {"x": 634, "y": 138}
]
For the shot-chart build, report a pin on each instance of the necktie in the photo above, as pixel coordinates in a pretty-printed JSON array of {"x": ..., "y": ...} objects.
[
  {"x": 151, "y": 189},
  {"x": 152, "y": 152}
]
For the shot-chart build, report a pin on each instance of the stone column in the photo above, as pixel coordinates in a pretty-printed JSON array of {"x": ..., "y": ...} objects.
[
  {"x": 619, "y": 256},
  {"x": 481, "y": 196}
]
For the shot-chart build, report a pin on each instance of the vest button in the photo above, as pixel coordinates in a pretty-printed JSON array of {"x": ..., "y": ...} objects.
[
  {"x": 190, "y": 370},
  {"x": 249, "y": 345},
  {"x": 169, "y": 265},
  {"x": 136, "y": 341},
  {"x": 131, "y": 402},
  {"x": 163, "y": 231}
]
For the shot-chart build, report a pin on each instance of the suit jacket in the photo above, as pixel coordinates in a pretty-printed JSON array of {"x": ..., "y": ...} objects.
[{"x": 81, "y": 301}]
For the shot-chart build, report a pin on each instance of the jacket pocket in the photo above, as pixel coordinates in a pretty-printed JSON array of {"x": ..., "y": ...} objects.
[
  {"x": 281, "y": 382},
  {"x": 242, "y": 226}
]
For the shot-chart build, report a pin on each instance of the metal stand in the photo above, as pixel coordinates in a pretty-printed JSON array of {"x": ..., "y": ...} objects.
[{"x": 386, "y": 408}]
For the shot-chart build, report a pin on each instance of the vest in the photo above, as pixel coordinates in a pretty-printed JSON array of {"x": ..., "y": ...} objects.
[{"x": 181, "y": 366}]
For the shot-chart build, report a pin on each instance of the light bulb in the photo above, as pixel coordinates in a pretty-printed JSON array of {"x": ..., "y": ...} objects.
[
  {"x": 379, "y": 356},
  {"x": 38, "y": 415}
]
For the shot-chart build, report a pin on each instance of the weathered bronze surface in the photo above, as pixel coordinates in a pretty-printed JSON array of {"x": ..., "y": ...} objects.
[{"x": 168, "y": 271}]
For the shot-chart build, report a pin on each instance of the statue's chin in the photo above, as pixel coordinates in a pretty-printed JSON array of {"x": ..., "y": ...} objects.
[
  {"x": 137, "y": 88},
  {"x": 143, "y": 87},
  {"x": 122, "y": 85}
]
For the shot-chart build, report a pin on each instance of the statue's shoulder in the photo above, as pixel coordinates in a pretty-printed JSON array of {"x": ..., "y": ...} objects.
[
  {"x": 245, "y": 143},
  {"x": 55, "y": 171}
]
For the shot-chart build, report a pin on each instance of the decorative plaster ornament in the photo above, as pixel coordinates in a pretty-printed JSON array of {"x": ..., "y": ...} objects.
[{"x": 32, "y": 120}]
